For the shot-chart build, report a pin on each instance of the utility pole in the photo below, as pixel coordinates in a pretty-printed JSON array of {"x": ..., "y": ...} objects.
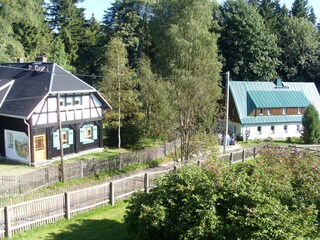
[
  {"x": 227, "y": 113},
  {"x": 60, "y": 138}
]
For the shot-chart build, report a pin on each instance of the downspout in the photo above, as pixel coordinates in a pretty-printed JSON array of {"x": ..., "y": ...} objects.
[{"x": 29, "y": 137}]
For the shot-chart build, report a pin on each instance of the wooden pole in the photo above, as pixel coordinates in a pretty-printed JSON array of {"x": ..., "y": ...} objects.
[{"x": 60, "y": 138}]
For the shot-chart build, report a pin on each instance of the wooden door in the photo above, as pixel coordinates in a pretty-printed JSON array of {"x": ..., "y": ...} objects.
[{"x": 39, "y": 147}]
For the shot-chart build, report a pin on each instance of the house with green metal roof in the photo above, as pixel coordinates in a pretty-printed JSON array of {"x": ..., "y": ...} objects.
[{"x": 270, "y": 109}]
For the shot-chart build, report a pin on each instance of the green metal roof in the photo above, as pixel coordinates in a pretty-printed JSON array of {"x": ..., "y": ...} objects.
[
  {"x": 246, "y": 97},
  {"x": 272, "y": 119},
  {"x": 278, "y": 99}
]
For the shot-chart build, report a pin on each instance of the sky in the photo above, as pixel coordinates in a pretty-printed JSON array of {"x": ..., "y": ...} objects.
[{"x": 97, "y": 7}]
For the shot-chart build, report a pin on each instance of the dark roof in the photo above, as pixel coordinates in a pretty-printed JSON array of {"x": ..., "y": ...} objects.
[
  {"x": 64, "y": 81},
  {"x": 32, "y": 82}
]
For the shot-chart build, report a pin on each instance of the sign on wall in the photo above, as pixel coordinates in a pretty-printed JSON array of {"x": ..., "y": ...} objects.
[{"x": 17, "y": 145}]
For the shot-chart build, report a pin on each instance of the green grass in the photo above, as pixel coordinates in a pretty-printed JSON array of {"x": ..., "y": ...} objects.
[{"x": 100, "y": 223}]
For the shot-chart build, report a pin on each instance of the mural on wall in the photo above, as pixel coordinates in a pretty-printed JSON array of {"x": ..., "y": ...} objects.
[{"x": 17, "y": 145}]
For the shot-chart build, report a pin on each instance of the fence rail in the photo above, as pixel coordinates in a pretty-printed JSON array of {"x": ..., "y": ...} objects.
[
  {"x": 26, "y": 215},
  {"x": 26, "y": 183}
]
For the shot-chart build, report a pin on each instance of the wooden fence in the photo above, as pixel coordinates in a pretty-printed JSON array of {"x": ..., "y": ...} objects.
[
  {"x": 26, "y": 215},
  {"x": 30, "y": 214},
  {"x": 18, "y": 185}
]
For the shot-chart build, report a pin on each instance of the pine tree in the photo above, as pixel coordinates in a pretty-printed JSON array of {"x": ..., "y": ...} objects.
[
  {"x": 67, "y": 21},
  {"x": 311, "y": 125},
  {"x": 247, "y": 45},
  {"x": 300, "y": 8}
]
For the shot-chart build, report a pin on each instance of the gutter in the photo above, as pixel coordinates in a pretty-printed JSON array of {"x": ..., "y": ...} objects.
[{"x": 29, "y": 141}]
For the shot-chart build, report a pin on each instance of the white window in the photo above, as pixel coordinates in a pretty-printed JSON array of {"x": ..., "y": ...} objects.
[
  {"x": 285, "y": 128},
  {"x": 69, "y": 101},
  {"x": 298, "y": 128},
  {"x": 77, "y": 101},
  {"x": 88, "y": 133},
  {"x": 284, "y": 111},
  {"x": 269, "y": 111},
  {"x": 259, "y": 129},
  {"x": 272, "y": 129},
  {"x": 299, "y": 110},
  {"x": 261, "y": 111}
]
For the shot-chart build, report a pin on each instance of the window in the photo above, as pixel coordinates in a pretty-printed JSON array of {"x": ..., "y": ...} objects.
[
  {"x": 285, "y": 128},
  {"x": 67, "y": 138},
  {"x": 299, "y": 110},
  {"x": 77, "y": 101},
  {"x": 272, "y": 129},
  {"x": 88, "y": 133},
  {"x": 269, "y": 111},
  {"x": 259, "y": 129},
  {"x": 298, "y": 128},
  {"x": 64, "y": 138},
  {"x": 261, "y": 111},
  {"x": 61, "y": 103},
  {"x": 39, "y": 143},
  {"x": 284, "y": 111},
  {"x": 69, "y": 101}
]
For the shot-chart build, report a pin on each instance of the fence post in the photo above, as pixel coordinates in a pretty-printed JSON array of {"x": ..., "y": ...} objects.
[
  {"x": 67, "y": 205},
  {"x": 231, "y": 158},
  {"x": 243, "y": 155},
  {"x": 112, "y": 193},
  {"x": 7, "y": 223},
  {"x": 82, "y": 166},
  {"x": 254, "y": 152},
  {"x": 146, "y": 182}
]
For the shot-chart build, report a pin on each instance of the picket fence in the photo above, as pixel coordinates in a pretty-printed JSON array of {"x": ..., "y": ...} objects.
[
  {"x": 26, "y": 215},
  {"x": 26, "y": 183}
]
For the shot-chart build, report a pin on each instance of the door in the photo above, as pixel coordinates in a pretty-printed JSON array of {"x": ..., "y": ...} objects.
[{"x": 39, "y": 147}]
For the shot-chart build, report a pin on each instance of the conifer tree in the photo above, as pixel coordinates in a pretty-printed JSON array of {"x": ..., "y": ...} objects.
[{"x": 311, "y": 125}]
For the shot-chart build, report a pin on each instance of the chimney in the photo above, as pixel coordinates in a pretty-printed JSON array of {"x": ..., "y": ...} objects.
[
  {"x": 41, "y": 59},
  {"x": 20, "y": 60}
]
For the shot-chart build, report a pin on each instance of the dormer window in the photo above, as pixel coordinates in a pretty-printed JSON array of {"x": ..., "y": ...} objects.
[
  {"x": 299, "y": 110},
  {"x": 284, "y": 111},
  {"x": 261, "y": 111},
  {"x": 269, "y": 111}
]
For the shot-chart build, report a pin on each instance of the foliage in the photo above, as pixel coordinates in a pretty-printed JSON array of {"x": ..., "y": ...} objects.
[
  {"x": 274, "y": 197},
  {"x": 181, "y": 207},
  {"x": 248, "y": 47},
  {"x": 186, "y": 54},
  {"x": 299, "y": 41},
  {"x": 311, "y": 125}
]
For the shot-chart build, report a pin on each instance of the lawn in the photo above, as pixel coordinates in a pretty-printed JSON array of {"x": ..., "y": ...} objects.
[{"x": 100, "y": 223}]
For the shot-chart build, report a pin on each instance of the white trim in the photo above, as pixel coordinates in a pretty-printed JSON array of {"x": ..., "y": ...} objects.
[
  {"x": 52, "y": 74},
  {"x": 3, "y": 87}
]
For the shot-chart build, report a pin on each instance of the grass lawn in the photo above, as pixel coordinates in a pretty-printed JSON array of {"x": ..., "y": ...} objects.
[{"x": 100, "y": 223}]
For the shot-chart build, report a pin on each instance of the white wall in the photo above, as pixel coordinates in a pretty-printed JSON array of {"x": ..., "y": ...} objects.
[
  {"x": 279, "y": 132},
  {"x": 46, "y": 111}
]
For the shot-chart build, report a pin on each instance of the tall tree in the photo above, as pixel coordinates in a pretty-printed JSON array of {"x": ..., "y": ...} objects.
[
  {"x": 299, "y": 42},
  {"x": 129, "y": 20},
  {"x": 300, "y": 9},
  {"x": 186, "y": 53},
  {"x": 156, "y": 105},
  {"x": 249, "y": 49},
  {"x": 67, "y": 21},
  {"x": 91, "y": 51},
  {"x": 118, "y": 87},
  {"x": 311, "y": 125}
]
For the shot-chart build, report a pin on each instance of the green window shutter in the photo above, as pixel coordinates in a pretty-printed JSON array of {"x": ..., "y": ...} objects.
[
  {"x": 82, "y": 134},
  {"x": 95, "y": 132},
  {"x": 56, "y": 142},
  {"x": 70, "y": 137}
]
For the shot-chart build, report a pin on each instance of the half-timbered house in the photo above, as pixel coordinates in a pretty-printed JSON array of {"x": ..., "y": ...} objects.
[{"x": 32, "y": 98}]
